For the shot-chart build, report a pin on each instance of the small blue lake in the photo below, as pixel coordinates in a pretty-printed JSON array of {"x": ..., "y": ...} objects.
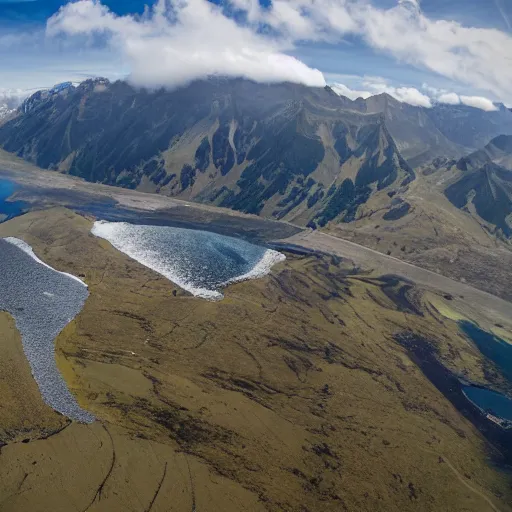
[
  {"x": 500, "y": 353},
  {"x": 491, "y": 346},
  {"x": 489, "y": 401},
  {"x": 9, "y": 209}
]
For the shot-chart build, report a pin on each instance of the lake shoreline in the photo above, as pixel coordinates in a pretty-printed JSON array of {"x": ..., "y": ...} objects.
[
  {"x": 424, "y": 355},
  {"x": 198, "y": 261}
]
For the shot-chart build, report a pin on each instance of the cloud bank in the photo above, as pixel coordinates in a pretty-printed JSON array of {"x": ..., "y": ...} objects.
[
  {"x": 12, "y": 98},
  {"x": 353, "y": 94},
  {"x": 408, "y": 95},
  {"x": 179, "y": 40},
  {"x": 452, "y": 98},
  {"x": 413, "y": 96},
  {"x": 478, "y": 102},
  {"x": 176, "y": 42}
]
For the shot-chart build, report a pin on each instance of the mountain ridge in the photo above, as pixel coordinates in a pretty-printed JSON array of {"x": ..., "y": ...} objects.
[
  {"x": 284, "y": 151},
  {"x": 281, "y": 150},
  {"x": 498, "y": 151}
]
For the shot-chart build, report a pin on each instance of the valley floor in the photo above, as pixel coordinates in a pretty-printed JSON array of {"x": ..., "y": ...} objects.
[{"x": 475, "y": 260}]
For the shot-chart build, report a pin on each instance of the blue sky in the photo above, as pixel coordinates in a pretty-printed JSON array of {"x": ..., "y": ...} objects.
[{"x": 403, "y": 47}]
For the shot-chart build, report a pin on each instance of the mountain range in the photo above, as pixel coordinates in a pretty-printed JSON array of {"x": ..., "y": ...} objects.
[
  {"x": 286, "y": 151},
  {"x": 498, "y": 151},
  {"x": 423, "y": 134},
  {"x": 485, "y": 184}
]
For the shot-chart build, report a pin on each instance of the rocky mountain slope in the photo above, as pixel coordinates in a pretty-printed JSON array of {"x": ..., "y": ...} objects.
[
  {"x": 486, "y": 192},
  {"x": 282, "y": 150},
  {"x": 453, "y": 219},
  {"x": 498, "y": 151},
  {"x": 423, "y": 134},
  {"x": 480, "y": 184}
]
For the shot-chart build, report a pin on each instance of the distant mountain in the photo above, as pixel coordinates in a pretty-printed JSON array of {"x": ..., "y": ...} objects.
[
  {"x": 483, "y": 184},
  {"x": 443, "y": 130},
  {"x": 417, "y": 136},
  {"x": 486, "y": 191},
  {"x": 471, "y": 127},
  {"x": 281, "y": 150},
  {"x": 498, "y": 151}
]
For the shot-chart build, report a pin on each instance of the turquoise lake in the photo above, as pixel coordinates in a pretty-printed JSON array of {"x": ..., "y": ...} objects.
[
  {"x": 500, "y": 353},
  {"x": 9, "y": 209},
  {"x": 488, "y": 400},
  {"x": 491, "y": 346}
]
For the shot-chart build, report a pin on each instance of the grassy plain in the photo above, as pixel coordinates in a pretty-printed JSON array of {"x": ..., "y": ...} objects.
[{"x": 291, "y": 394}]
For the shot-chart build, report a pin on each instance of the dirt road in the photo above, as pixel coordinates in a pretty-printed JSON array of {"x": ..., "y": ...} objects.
[{"x": 483, "y": 302}]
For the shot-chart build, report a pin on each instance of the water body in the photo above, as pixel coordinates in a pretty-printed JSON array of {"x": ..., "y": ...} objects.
[
  {"x": 255, "y": 229},
  {"x": 200, "y": 262},
  {"x": 42, "y": 301},
  {"x": 490, "y": 401},
  {"x": 491, "y": 346},
  {"x": 500, "y": 353},
  {"x": 425, "y": 355},
  {"x": 9, "y": 209}
]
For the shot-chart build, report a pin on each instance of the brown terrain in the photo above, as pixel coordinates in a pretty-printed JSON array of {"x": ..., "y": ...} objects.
[
  {"x": 435, "y": 235},
  {"x": 297, "y": 392}
]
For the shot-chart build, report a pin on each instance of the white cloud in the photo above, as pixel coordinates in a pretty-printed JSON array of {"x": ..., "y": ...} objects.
[
  {"x": 475, "y": 56},
  {"x": 479, "y": 57},
  {"x": 352, "y": 94},
  {"x": 452, "y": 98},
  {"x": 375, "y": 85},
  {"x": 478, "y": 102},
  {"x": 408, "y": 95},
  {"x": 17, "y": 39},
  {"x": 12, "y": 98},
  {"x": 449, "y": 98},
  {"x": 176, "y": 42},
  {"x": 179, "y": 40}
]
